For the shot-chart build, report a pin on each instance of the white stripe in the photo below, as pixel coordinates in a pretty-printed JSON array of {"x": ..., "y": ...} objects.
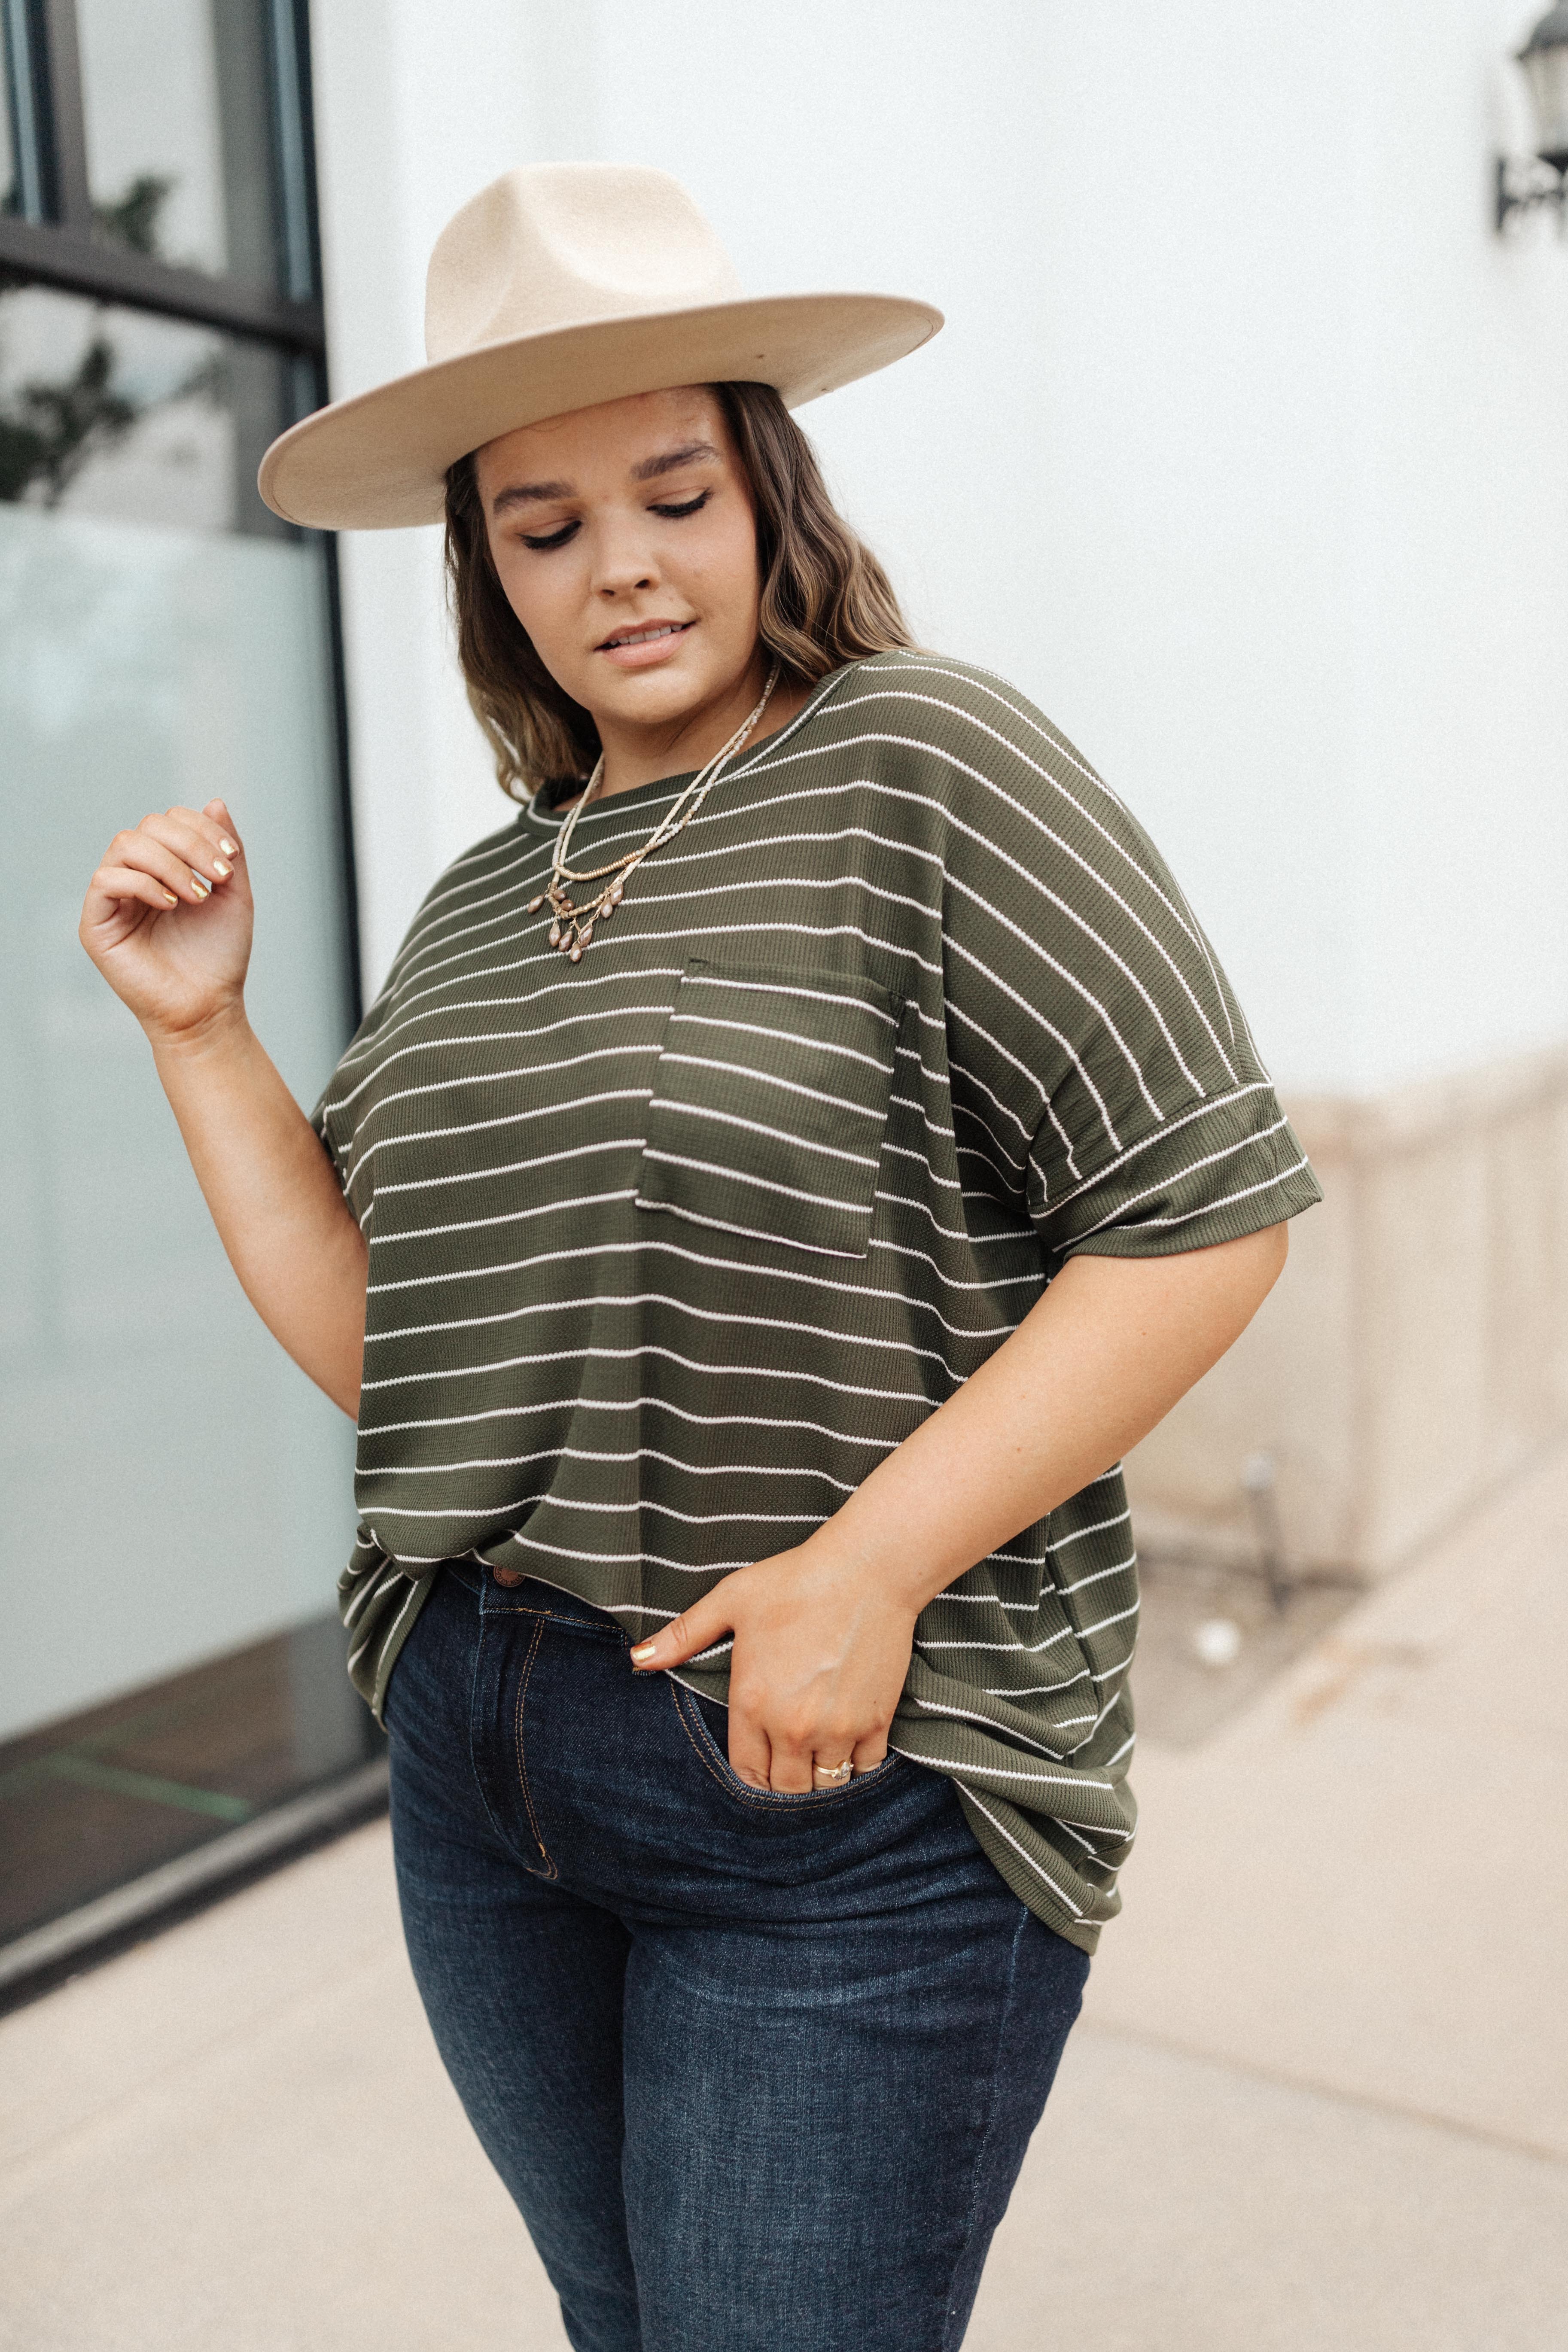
[
  {"x": 968, "y": 1077},
  {"x": 511, "y": 1119},
  {"x": 652, "y": 1299},
  {"x": 949, "y": 1282},
  {"x": 575, "y": 1404},
  {"x": 616, "y": 976},
  {"x": 1124, "y": 1840},
  {"x": 1170, "y": 1183},
  {"x": 761, "y": 1183},
  {"x": 1101, "y": 1622},
  {"x": 988, "y": 1600},
  {"x": 949, "y": 1233},
  {"x": 1120, "y": 1568},
  {"x": 999, "y": 1772},
  {"x": 746, "y": 1233},
  {"x": 531, "y": 1071},
  {"x": 989, "y": 1723},
  {"x": 923, "y": 1159},
  {"x": 812, "y": 933},
  {"x": 630, "y": 1355},
  {"x": 1036, "y": 1690},
  {"x": 673, "y": 1249},
  {"x": 1038, "y": 1868},
  {"x": 777, "y": 987},
  {"x": 1020, "y": 1649},
  {"x": 1227, "y": 1200},
  {"x": 504, "y": 1036},
  {"x": 1172, "y": 1127},
  {"x": 1098, "y": 1528},
  {"x": 769, "y": 1077},
  {"x": 630, "y": 1143},
  {"x": 630, "y": 1558},
  {"x": 672, "y": 1104},
  {"x": 571, "y": 1202}
]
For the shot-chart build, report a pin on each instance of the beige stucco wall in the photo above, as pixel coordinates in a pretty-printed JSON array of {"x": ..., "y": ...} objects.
[{"x": 1416, "y": 1350}]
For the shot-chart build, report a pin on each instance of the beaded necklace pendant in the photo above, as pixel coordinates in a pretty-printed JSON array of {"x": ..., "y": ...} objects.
[{"x": 571, "y": 926}]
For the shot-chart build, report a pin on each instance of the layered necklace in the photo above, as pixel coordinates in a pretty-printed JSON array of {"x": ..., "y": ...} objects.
[{"x": 572, "y": 926}]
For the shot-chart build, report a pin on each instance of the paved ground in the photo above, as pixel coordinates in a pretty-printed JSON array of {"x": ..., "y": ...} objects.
[{"x": 1319, "y": 2099}]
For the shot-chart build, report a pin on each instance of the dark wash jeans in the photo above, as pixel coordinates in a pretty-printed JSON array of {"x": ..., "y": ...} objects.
[{"x": 758, "y": 2070}]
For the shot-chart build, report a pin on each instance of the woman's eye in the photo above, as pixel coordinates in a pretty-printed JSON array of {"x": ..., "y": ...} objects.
[
  {"x": 556, "y": 538},
  {"x": 691, "y": 507}
]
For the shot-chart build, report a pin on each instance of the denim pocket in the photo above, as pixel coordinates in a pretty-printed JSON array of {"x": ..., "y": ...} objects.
[
  {"x": 770, "y": 1097},
  {"x": 711, "y": 1755}
]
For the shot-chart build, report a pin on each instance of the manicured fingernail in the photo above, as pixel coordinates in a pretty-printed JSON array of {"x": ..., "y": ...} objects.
[
  {"x": 231, "y": 848},
  {"x": 221, "y": 869},
  {"x": 171, "y": 897},
  {"x": 203, "y": 890},
  {"x": 644, "y": 1649}
]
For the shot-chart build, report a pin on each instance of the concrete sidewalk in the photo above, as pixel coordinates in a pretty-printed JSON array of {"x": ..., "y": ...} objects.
[{"x": 1320, "y": 2098}]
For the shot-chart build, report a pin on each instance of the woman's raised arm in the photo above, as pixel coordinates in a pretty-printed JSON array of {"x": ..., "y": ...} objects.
[{"x": 167, "y": 921}]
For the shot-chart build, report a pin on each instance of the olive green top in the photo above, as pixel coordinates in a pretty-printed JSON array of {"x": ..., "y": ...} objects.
[{"x": 669, "y": 1247}]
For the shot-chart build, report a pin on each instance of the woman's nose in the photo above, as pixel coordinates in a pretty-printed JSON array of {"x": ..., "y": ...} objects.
[{"x": 621, "y": 562}]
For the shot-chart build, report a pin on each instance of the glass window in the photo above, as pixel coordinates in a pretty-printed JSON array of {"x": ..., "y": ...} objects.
[
  {"x": 178, "y": 112},
  {"x": 113, "y": 412},
  {"x": 178, "y": 1497}
]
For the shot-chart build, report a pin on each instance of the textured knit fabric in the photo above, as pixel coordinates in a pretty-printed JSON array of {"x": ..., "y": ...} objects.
[{"x": 671, "y": 1247}]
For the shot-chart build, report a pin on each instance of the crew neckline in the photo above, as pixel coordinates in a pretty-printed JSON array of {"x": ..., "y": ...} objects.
[{"x": 671, "y": 784}]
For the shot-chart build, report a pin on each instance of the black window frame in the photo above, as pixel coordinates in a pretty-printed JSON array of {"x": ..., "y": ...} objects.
[{"x": 51, "y": 240}]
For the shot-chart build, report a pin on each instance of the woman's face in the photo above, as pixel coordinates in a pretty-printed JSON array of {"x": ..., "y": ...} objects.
[{"x": 625, "y": 541}]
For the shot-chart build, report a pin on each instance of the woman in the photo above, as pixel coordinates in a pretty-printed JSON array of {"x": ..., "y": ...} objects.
[{"x": 778, "y": 1181}]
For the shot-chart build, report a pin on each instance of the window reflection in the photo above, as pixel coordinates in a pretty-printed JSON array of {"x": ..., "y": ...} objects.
[
  {"x": 111, "y": 412},
  {"x": 178, "y": 107}
]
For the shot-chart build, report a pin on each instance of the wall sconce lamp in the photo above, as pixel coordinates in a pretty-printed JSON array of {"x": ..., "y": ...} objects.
[{"x": 1525, "y": 182}]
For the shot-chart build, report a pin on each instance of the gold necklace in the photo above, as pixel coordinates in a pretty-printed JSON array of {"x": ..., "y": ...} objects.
[{"x": 571, "y": 928}]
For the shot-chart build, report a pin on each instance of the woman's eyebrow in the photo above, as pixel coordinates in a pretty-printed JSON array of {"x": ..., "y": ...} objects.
[
  {"x": 523, "y": 494},
  {"x": 652, "y": 467}
]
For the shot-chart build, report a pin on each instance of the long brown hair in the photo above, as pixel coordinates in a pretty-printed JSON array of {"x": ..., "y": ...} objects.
[{"x": 825, "y": 600}]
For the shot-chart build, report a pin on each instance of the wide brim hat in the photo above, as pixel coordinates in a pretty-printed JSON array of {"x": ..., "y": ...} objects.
[{"x": 556, "y": 288}]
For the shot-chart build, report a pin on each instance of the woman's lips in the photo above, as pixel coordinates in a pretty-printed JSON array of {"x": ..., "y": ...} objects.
[{"x": 645, "y": 651}]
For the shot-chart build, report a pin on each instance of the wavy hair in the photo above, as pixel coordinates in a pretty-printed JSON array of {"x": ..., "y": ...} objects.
[{"x": 824, "y": 600}]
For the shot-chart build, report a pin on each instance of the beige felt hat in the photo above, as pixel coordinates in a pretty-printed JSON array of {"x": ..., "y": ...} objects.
[{"x": 555, "y": 287}]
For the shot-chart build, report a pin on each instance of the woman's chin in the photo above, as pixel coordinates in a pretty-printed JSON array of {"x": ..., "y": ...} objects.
[{"x": 659, "y": 694}]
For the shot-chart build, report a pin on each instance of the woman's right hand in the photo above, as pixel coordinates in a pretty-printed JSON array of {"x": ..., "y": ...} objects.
[{"x": 167, "y": 920}]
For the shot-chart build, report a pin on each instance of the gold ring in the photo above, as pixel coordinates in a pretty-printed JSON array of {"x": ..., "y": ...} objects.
[{"x": 834, "y": 1771}]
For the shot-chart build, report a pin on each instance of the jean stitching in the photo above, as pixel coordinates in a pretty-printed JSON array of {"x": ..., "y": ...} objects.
[
  {"x": 554, "y": 1617},
  {"x": 490, "y": 1814},
  {"x": 1025, "y": 1916},
  {"x": 775, "y": 1799},
  {"x": 522, "y": 1764},
  {"x": 747, "y": 1796}
]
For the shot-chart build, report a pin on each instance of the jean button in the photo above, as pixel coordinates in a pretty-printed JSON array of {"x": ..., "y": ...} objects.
[{"x": 508, "y": 1575}]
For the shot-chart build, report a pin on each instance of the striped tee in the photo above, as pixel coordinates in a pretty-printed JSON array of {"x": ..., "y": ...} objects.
[{"x": 669, "y": 1247}]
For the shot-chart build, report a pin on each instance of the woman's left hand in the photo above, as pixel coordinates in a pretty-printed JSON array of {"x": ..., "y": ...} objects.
[{"x": 821, "y": 1651}]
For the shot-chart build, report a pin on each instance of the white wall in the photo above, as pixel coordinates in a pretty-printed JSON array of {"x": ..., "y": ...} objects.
[{"x": 1245, "y": 451}]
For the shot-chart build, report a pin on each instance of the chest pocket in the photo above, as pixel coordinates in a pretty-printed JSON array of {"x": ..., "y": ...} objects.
[{"x": 770, "y": 1095}]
